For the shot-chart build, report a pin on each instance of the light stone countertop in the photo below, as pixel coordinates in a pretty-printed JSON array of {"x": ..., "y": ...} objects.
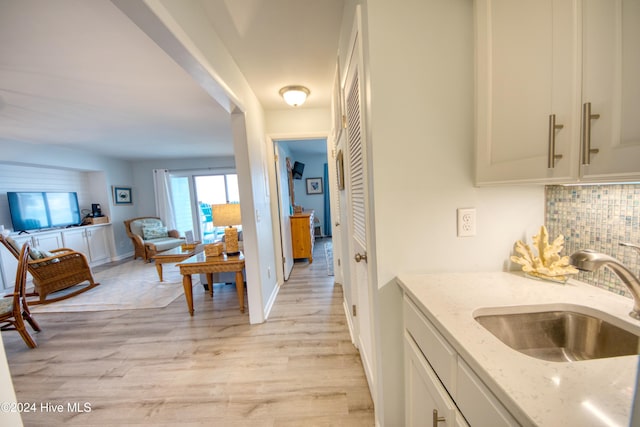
[{"x": 537, "y": 392}]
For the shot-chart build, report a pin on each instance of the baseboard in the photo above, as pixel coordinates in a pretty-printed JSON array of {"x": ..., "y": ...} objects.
[
  {"x": 121, "y": 257},
  {"x": 271, "y": 301},
  {"x": 347, "y": 314}
]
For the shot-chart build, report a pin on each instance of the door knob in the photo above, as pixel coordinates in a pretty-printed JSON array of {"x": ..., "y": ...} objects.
[{"x": 360, "y": 257}]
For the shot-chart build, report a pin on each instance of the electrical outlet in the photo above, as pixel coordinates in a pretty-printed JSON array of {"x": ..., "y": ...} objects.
[{"x": 466, "y": 222}]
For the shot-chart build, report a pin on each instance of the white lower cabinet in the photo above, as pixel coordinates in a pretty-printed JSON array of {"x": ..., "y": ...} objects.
[
  {"x": 438, "y": 379},
  {"x": 477, "y": 402},
  {"x": 427, "y": 401},
  {"x": 91, "y": 241},
  {"x": 99, "y": 251},
  {"x": 47, "y": 241}
]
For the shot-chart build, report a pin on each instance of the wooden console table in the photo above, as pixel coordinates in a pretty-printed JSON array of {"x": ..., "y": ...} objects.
[{"x": 202, "y": 264}]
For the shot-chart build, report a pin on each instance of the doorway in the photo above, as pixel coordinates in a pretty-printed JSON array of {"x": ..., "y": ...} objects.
[{"x": 310, "y": 157}]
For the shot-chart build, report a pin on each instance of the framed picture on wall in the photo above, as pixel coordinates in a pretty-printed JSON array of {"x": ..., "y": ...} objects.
[
  {"x": 314, "y": 185},
  {"x": 122, "y": 195}
]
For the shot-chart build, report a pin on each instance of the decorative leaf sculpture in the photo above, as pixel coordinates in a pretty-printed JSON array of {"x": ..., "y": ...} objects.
[{"x": 547, "y": 264}]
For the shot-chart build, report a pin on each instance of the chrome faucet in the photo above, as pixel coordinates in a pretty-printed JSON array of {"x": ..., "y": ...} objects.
[{"x": 590, "y": 260}]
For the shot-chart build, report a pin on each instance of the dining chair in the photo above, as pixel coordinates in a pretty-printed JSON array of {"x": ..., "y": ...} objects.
[{"x": 13, "y": 308}]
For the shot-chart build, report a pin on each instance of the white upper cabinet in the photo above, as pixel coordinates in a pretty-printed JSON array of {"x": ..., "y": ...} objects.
[
  {"x": 611, "y": 84},
  {"x": 538, "y": 63},
  {"x": 526, "y": 72}
]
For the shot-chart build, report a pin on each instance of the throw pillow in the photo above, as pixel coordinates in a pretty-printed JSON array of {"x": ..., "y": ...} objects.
[
  {"x": 36, "y": 254},
  {"x": 154, "y": 232},
  {"x": 13, "y": 244}
]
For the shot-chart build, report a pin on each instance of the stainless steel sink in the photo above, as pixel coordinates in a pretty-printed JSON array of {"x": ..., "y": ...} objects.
[{"x": 561, "y": 335}]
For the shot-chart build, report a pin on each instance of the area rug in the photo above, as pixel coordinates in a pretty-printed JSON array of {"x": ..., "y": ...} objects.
[
  {"x": 128, "y": 286},
  {"x": 328, "y": 252}
]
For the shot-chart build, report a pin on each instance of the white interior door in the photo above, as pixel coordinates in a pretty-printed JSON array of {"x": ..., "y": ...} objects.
[
  {"x": 357, "y": 208},
  {"x": 282, "y": 178},
  {"x": 338, "y": 214}
]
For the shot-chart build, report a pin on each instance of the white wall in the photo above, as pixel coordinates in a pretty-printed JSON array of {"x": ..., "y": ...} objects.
[
  {"x": 7, "y": 393},
  {"x": 298, "y": 123},
  {"x": 419, "y": 62}
]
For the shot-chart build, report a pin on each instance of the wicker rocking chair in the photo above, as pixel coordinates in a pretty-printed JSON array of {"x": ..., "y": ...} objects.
[
  {"x": 14, "y": 309},
  {"x": 60, "y": 270}
]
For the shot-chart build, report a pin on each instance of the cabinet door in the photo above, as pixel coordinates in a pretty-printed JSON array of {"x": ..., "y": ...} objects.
[
  {"x": 48, "y": 241},
  {"x": 611, "y": 84},
  {"x": 98, "y": 244},
  {"x": 526, "y": 71},
  {"x": 424, "y": 393},
  {"x": 300, "y": 237},
  {"x": 75, "y": 239},
  {"x": 475, "y": 400}
]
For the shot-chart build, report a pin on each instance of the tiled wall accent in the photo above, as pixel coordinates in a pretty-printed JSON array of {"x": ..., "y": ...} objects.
[{"x": 597, "y": 217}]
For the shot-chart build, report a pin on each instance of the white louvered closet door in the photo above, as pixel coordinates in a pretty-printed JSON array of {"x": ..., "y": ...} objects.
[
  {"x": 356, "y": 162},
  {"x": 357, "y": 197}
]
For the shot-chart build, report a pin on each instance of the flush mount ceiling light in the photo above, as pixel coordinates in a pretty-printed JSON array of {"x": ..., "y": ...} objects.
[{"x": 294, "y": 95}]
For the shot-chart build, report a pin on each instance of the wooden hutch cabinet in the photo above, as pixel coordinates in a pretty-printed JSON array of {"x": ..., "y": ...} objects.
[{"x": 302, "y": 237}]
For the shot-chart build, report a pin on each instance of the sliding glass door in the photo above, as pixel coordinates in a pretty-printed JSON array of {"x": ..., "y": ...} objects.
[{"x": 193, "y": 194}]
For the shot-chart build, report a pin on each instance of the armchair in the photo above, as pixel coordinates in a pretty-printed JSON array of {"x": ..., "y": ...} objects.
[
  {"x": 149, "y": 236},
  {"x": 54, "y": 271}
]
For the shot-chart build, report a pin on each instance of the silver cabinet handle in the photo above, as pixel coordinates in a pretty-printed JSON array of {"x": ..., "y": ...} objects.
[
  {"x": 586, "y": 133},
  {"x": 552, "y": 156},
  {"x": 437, "y": 419},
  {"x": 360, "y": 257}
]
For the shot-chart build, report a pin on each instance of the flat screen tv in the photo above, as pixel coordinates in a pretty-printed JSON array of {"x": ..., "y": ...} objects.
[
  {"x": 298, "y": 169},
  {"x": 41, "y": 210}
]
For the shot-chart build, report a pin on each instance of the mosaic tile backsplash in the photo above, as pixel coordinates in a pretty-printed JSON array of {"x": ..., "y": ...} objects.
[{"x": 597, "y": 217}]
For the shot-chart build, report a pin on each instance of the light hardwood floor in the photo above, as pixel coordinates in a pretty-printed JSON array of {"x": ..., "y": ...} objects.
[{"x": 162, "y": 367}]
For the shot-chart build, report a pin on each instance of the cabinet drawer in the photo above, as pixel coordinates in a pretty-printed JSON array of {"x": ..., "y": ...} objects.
[
  {"x": 477, "y": 403},
  {"x": 438, "y": 352}
]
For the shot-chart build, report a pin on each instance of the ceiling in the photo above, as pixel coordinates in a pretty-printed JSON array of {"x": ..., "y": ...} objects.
[{"x": 79, "y": 74}]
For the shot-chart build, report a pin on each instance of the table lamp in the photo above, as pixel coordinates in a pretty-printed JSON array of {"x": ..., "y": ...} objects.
[{"x": 228, "y": 215}]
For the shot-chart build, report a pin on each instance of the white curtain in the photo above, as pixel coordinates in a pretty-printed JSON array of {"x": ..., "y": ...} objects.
[{"x": 164, "y": 204}]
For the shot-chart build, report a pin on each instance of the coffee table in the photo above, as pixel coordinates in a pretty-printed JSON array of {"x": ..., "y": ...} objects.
[
  {"x": 202, "y": 264},
  {"x": 173, "y": 256}
]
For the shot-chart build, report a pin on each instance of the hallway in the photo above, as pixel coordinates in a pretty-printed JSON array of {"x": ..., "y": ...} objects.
[{"x": 162, "y": 367}]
